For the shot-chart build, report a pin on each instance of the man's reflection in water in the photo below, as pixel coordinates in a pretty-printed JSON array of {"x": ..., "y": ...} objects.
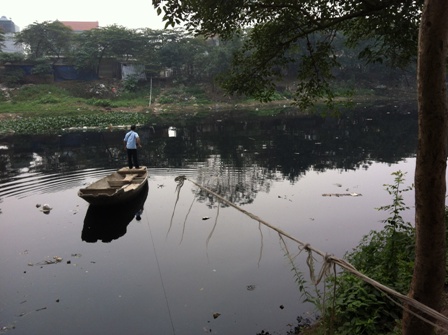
[{"x": 138, "y": 215}]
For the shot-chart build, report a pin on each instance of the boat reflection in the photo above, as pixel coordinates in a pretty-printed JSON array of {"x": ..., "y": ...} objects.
[{"x": 108, "y": 223}]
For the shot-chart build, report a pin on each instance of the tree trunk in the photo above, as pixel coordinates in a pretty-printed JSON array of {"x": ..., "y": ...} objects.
[{"x": 430, "y": 184}]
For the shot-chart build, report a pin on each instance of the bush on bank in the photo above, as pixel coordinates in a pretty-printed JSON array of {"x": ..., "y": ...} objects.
[{"x": 387, "y": 256}]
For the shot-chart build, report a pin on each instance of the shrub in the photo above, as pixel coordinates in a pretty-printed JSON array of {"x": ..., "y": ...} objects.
[
  {"x": 166, "y": 99},
  {"x": 14, "y": 57},
  {"x": 386, "y": 256},
  {"x": 130, "y": 84},
  {"x": 13, "y": 77},
  {"x": 42, "y": 68},
  {"x": 101, "y": 102}
]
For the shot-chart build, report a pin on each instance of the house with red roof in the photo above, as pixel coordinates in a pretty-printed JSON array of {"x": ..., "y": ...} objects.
[{"x": 79, "y": 26}]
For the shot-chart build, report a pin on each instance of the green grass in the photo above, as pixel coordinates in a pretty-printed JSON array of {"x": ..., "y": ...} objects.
[
  {"x": 51, "y": 99},
  {"x": 184, "y": 96}
]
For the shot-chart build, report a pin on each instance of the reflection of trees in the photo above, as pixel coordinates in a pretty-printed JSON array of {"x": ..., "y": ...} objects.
[
  {"x": 5, "y": 164},
  {"x": 245, "y": 156},
  {"x": 236, "y": 157},
  {"x": 236, "y": 185}
]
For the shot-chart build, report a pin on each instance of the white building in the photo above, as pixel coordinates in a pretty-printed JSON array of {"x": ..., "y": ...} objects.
[{"x": 10, "y": 29}]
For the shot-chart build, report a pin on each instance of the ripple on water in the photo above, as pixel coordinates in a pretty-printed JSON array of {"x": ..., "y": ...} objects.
[{"x": 27, "y": 184}]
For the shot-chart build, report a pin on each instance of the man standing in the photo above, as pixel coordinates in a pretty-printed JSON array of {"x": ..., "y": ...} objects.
[{"x": 131, "y": 140}]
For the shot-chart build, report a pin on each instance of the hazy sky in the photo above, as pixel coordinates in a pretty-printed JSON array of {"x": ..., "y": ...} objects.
[{"x": 132, "y": 14}]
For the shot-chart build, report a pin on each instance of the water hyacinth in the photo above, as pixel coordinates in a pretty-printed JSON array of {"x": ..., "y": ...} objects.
[{"x": 49, "y": 125}]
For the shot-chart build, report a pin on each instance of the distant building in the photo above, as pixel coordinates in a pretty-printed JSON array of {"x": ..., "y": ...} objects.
[
  {"x": 79, "y": 26},
  {"x": 8, "y": 26},
  {"x": 10, "y": 29}
]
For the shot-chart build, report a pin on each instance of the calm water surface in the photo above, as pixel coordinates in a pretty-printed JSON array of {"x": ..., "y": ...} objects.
[{"x": 78, "y": 270}]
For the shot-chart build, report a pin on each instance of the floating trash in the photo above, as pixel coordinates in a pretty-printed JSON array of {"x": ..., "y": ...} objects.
[
  {"x": 341, "y": 194},
  {"x": 45, "y": 208},
  {"x": 54, "y": 260}
]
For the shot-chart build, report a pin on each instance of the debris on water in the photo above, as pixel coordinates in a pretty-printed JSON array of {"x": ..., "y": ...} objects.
[
  {"x": 338, "y": 185},
  {"x": 54, "y": 260},
  {"x": 51, "y": 262},
  {"x": 4, "y": 329},
  {"x": 250, "y": 287},
  {"x": 341, "y": 194},
  {"x": 45, "y": 208},
  {"x": 282, "y": 307},
  {"x": 216, "y": 315},
  {"x": 205, "y": 217}
]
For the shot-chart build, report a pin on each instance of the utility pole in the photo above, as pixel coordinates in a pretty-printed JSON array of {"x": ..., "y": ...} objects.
[{"x": 150, "y": 91}]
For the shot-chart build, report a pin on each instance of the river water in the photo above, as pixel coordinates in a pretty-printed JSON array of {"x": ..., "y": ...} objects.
[{"x": 191, "y": 264}]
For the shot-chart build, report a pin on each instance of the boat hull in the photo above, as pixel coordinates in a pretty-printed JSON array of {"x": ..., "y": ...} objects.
[
  {"x": 109, "y": 223},
  {"x": 118, "y": 187}
]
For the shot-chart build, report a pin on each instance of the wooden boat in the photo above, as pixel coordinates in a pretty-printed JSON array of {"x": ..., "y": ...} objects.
[
  {"x": 118, "y": 187},
  {"x": 108, "y": 223}
]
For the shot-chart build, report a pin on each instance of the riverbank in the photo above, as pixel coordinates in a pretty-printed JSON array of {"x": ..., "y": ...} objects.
[{"x": 51, "y": 108}]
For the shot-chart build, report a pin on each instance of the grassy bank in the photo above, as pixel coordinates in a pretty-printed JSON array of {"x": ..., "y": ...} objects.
[{"x": 48, "y": 108}]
